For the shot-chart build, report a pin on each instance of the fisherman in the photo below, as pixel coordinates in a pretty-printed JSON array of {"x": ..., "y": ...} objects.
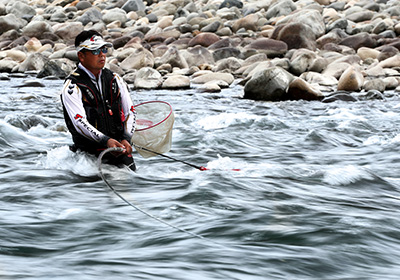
[{"x": 98, "y": 109}]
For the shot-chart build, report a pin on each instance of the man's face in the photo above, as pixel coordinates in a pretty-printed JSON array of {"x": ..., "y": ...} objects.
[{"x": 92, "y": 61}]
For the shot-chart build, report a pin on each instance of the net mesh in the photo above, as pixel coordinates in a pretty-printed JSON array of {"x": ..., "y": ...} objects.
[{"x": 154, "y": 125}]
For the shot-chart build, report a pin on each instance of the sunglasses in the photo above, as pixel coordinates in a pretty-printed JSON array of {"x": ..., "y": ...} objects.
[{"x": 97, "y": 52}]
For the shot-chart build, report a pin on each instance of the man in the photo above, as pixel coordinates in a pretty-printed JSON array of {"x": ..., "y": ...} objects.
[{"x": 98, "y": 109}]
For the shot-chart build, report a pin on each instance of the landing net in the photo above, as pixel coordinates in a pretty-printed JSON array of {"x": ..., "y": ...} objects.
[{"x": 154, "y": 123}]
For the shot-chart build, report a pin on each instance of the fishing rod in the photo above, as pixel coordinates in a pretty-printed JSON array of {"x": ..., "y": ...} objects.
[{"x": 201, "y": 168}]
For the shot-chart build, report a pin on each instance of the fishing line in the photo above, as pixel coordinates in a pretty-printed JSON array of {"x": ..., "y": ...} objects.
[
  {"x": 201, "y": 168},
  {"x": 118, "y": 149}
]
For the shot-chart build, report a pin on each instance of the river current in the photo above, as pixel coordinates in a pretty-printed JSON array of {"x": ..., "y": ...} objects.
[{"x": 316, "y": 196}]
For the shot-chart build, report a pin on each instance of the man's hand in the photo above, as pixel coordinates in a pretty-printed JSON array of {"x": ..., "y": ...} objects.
[
  {"x": 127, "y": 146},
  {"x": 111, "y": 143}
]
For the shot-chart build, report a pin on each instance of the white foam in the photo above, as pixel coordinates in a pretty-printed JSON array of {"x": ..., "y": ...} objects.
[
  {"x": 62, "y": 158},
  {"x": 225, "y": 120},
  {"x": 345, "y": 175}
]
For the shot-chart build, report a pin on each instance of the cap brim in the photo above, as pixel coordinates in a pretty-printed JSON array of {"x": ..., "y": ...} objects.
[{"x": 94, "y": 43}]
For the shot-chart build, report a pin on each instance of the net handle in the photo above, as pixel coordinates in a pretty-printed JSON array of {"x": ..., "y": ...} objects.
[{"x": 147, "y": 102}]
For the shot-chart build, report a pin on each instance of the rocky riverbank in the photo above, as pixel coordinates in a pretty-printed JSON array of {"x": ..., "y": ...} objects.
[{"x": 277, "y": 50}]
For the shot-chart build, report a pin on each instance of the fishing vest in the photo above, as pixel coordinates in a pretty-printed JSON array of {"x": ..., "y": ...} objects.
[{"x": 103, "y": 110}]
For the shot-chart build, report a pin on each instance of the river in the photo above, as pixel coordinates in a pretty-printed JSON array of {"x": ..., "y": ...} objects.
[{"x": 316, "y": 196}]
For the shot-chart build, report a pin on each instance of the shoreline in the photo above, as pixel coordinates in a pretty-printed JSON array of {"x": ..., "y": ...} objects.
[{"x": 278, "y": 50}]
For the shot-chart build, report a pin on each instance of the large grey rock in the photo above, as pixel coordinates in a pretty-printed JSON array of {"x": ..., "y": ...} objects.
[
  {"x": 176, "y": 82},
  {"x": 7, "y": 65},
  {"x": 197, "y": 56},
  {"x": 173, "y": 57},
  {"x": 21, "y": 9},
  {"x": 37, "y": 29},
  {"x": 133, "y": 6},
  {"x": 297, "y": 35},
  {"x": 115, "y": 14},
  {"x": 34, "y": 61},
  {"x": 10, "y": 22},
  {"x": 310, "y": 17},
  {"x": 301, "y": 61},
  {"x": 148, "y": 78},
  {"x": 138, "y": 59},
  {"x": 270, "y": 84},
  {"x": 59, "y": 68},
  {"x": 208, "y": 77},
  {"x": 281, "y": 8},
  {"x": 68, "y": 30},
  {"x": 91, "y": 15},
  {"x": 270, "y": 47}
]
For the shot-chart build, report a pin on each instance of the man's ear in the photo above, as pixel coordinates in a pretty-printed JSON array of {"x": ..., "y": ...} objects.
[{"x": 81, "y": 56}]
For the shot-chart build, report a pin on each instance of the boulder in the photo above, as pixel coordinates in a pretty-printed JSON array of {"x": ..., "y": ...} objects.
[
  {"x": 205, "y": 39},
  {"x": 336, "y": 69},
  {"x": 310, "y": 17},
  {"x": 228, "y": 65},
  {"x": 391, "y": 83},
  {"x": 33, "y": 45},
  {"x": 360, "y": 16},
  {"x": 297, "y": 35},
  {"x": 212, "y": 86},
  {"x": 249, "y": 22},
  {"x": 202, "y": 79},
  {"x": 148, "y": 78},
  {"x": 301, "y": 90},
  {"x": 270, "y": 47},
  {"x": 21, "y": 9},
  {"x": 280, "y": 8},
  {"x": 176, "y": 82},
  {"x": 197, "y": 56},
  {"x": 161, "y": 36},
  {"x": 37, "y": 29},
  {"x": 270, "y": 84},
  {"x": 7, "y": 65},
  {"x": 34, "y": 61},
  {"x": 83, "y": 5},
  {"x": 173, "y": 57},
  {"x": 223, "y": 53},
  {"x": 390, "y": 62},
  {"x": 387, "y": 51},
  {"x": 231, "y": 3},
  {"x": 92, "y": 15},
  {"x": 9, "y": 22},
  {"x": 59, "y": 68},
  {"x": 301, "y": 61},
  {"x": 359, "y": 40},
  {"x": 15, "y": 55},
  {"x": 351, "y": 80},
  {"x": 367, "y": 53},
  {"x": 121, "y": 41},
  {"x": 115, "y": 14},
  {"x": 375, "y": 84},
  {"x": 133, "y": 6},
  {"x": 320, "y": 79},
  {"x": 138, "y": 59}
]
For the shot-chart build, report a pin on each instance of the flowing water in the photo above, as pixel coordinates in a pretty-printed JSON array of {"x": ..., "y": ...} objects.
[{"x": 316, "y": 197}]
